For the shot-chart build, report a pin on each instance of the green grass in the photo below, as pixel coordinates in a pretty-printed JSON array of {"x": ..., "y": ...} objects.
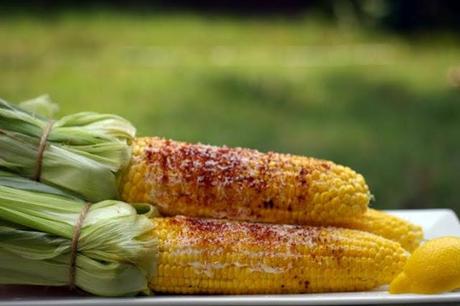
[{"x": 374, "y": 101}]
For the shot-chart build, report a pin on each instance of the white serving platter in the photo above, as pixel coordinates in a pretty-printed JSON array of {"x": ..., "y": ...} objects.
[{"x": 435, "y": 222}]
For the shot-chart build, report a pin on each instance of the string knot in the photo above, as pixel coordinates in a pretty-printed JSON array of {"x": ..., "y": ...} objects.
[
  {"x": 74, "y": 245},
  {"x": 41, "y": 150}
]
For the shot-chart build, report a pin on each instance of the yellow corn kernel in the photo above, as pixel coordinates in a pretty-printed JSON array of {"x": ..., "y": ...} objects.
[
  {"x": 391, "y": 227},
  {"x": 229, "y": 257},
  {"x": 242, "y": 184}
]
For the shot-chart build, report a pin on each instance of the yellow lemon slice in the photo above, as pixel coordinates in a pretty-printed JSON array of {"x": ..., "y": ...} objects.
[{"x": 434, "y": 267}]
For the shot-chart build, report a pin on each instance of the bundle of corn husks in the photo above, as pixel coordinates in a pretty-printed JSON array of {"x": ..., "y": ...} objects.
[
  {"x": 317, "y": 235},
  {"x": 116, "y": 255},
  {"x": 80, "y": 153}
]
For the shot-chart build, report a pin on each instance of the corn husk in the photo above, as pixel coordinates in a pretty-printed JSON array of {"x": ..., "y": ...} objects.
[
  {"x": 116, "y": 253},
  {"x": 84, "y": 151}
]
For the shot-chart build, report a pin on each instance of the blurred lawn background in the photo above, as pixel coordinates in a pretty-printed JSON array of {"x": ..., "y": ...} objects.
[{"x": 384, "y": 103}]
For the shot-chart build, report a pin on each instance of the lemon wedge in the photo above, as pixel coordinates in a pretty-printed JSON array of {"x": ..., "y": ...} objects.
[{"x": 433, "y": 268}]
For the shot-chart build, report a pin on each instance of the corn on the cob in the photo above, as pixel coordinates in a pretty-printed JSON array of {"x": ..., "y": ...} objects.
[
  {"x": 242, "y": 184},
  {"x": 383, "y": 224},
  {"x": 225, "y": 257}
]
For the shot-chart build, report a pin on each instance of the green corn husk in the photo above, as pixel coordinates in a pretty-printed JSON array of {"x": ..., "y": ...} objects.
[
  {"x": 84, "y": 151},
  {"x": 116, "y": 252}
]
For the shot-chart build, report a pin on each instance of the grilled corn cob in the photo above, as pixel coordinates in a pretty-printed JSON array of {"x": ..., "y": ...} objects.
[
  {"x": 224, "y": 257},
  {"x": 242, "y": 184},
  {"x": 383, "y": 224}
]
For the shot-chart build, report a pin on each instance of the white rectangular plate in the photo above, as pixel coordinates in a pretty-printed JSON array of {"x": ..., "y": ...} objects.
[{"x": 435, "y": 222}]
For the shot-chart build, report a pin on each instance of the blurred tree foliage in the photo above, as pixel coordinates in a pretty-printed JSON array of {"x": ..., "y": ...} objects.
[
  {"x": 386, "y": 105},
  {"x": 403, "y": 16}
]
